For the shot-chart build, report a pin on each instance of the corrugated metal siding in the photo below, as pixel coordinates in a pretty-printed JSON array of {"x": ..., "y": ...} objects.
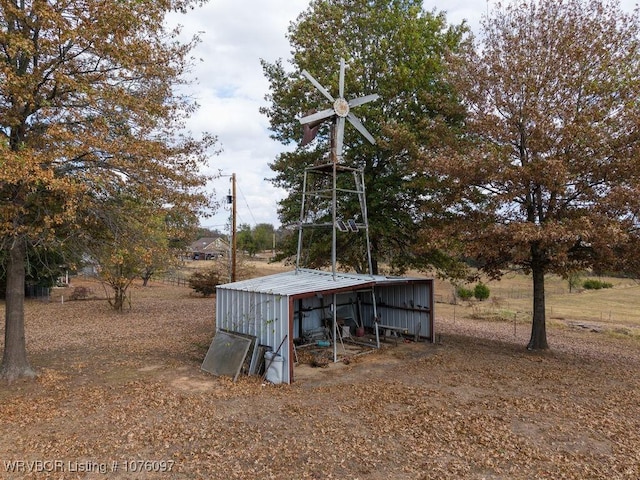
[
  {"x": 403, "y": 306},
  {"x": 265, "y": 316},
  {"x": 312, "y": 315}
]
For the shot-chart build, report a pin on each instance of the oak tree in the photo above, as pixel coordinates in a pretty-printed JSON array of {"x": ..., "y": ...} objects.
[
  {"x": 87, "y": 105},
  {"x": 547, "y": 178},
  {"x": 169, "y": 233}
]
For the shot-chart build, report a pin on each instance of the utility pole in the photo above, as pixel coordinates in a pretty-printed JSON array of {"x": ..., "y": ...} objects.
[{"x": 233, "y": 228}]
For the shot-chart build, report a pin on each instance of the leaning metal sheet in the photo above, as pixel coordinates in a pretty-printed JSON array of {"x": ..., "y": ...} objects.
[{"x": 226, "y": 355}]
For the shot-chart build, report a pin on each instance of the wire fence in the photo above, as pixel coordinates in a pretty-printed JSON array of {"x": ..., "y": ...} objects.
[
  {"x": 514, "y": 294},
  {"x": 174, "y": 280}
]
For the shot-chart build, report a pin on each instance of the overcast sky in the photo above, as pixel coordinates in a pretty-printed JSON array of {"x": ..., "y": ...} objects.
[{"x": 230, "y": 89}]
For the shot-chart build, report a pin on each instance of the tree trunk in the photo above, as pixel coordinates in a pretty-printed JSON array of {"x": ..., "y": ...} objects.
[
  {"x": 14, "y": 360},
  {"x": 538, "y": 339},
  {"x": 118, "y": 299}
]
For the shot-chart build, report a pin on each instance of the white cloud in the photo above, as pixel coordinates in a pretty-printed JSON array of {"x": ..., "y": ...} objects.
[{"x": 230, "y": 89}]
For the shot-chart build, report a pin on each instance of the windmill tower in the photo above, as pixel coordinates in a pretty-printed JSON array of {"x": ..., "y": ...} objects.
[{"x": 313, "y": 189}]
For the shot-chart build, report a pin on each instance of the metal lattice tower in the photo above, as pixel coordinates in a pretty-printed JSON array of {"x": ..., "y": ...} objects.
[{"x": 320, "y": 185}]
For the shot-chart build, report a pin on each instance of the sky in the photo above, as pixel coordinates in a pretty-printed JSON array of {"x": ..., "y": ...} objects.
[{"x": 229, "y": 85}]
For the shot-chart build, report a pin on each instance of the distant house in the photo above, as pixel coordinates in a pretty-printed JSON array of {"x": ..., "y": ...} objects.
[{"x": 208, "y": 248}]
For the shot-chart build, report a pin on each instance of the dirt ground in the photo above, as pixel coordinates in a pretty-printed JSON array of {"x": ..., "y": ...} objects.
[{"x": 123, "y": 396}]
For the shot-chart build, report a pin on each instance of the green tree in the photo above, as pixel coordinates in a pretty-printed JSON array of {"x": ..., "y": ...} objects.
[
  {"x": 87, "y": 106},
  {"x": 394, "y": 49},
  {"x": 481, "y": 291},
  {"x": 464, "y": 293},
  {"x": 245, "y": 240},
  {"x": 43, "y": 268},
  {"x": 548, "y": 178},
  {"x": 118, "y": 253},
  {"x": 574, "y": 280},
  {"x": 168, "y": 234},
  {"x": 256, "y": 239},
  {"x": 263, "y": 236}
]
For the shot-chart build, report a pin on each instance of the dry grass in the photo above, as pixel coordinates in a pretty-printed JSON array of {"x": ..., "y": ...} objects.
[
  {"x": 614, "y": 311},
  {"x": 115, "y": 388}
]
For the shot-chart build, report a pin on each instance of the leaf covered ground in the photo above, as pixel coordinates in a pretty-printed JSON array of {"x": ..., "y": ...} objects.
[{"x": 123, "y": 396}]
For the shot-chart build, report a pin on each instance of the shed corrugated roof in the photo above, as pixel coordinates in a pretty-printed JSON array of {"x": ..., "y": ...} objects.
[{"x": 298, "y": 282}]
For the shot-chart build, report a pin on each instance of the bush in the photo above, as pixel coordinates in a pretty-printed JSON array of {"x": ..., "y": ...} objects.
[
  {"x": 205, "y": 282},
  {"x": 596, "y": 284},
  {"x": 80, "y": 293},
  {"x": 464, "y": 293},
  {"x": 481, "y": 291}
]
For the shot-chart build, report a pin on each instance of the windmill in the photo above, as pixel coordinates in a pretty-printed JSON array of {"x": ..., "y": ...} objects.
[{"x": 339, "y": 113}]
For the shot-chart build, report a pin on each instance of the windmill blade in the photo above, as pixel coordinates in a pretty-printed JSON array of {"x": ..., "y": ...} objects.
[
  {"x": 339, "y": 137},
  {"x": 317, "y": 85},
  {"x": 359, "y": 101},
  {"x": 321, "y": 115},
  {"x": 341, "y": 81},
  {"x": 360, "y": 127}
]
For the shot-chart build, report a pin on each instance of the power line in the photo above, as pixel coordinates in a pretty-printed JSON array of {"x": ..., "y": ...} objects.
[{"x": 247, "y": 204}]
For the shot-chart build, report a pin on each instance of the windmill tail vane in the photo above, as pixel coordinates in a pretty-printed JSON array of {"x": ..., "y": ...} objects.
[{"x": 310, "y": 129}]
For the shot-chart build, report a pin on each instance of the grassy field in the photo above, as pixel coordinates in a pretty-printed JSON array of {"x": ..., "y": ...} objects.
[{"x": 612, "y": 310}]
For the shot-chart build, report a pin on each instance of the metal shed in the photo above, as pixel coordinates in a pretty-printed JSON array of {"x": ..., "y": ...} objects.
[{"x": 279, "y": 308}]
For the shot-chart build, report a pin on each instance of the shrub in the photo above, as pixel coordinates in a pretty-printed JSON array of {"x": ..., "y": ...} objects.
[
  {"x": 574, "y": 279},
  {"x": 205, "y": 281},
  {"x": 80, "y": 293},
  {"x": 464, "y": 293},
  {"x": 592, "y": 284},
  {"x": 481, "y": 291}
]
